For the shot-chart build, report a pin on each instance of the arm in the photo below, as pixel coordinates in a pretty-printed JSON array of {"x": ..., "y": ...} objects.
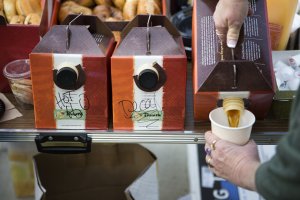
[{"x": 278, "y": 178}]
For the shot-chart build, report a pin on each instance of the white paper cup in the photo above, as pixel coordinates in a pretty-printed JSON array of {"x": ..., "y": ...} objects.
[{"x": 220, "y": 127}]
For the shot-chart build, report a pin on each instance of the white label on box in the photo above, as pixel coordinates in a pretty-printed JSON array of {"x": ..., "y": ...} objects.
[
  {"x": 68, "y": 103},
  {"x": 148, "y": 104}
]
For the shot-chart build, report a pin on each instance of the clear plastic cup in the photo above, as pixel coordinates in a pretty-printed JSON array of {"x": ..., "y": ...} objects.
[{"x": 18, "y": 75}]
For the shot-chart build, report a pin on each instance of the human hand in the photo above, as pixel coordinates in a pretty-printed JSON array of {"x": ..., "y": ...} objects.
[
  {"x": 229, "y": 16},
  {"x": 235, "y": 163}
]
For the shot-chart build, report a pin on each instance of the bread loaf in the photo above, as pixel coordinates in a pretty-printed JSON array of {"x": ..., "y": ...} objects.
[
  {"x": 70, "y": 7},
  {"x": 17, "y": 19},
  {"x": 9, "y": 9},
  {"x": 149, "y": 7},
  {"x": 130, "y": 9}
]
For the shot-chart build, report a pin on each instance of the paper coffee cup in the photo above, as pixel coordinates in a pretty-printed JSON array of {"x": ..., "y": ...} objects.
[{"x": 220, "y": 126}]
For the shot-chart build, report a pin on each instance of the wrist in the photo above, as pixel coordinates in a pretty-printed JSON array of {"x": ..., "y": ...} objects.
[{"x": 249, "y": 179}]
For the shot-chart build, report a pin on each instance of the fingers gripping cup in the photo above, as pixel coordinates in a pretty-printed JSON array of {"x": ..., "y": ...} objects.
[
  {"x": 220, "y": 124},
  {"x": 18, "y": 74}
]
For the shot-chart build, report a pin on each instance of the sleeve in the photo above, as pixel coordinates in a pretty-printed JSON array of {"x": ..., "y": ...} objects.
[{"x": 280, "y": 177}]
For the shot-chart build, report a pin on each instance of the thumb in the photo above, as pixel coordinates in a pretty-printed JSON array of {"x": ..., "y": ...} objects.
[{"x": 233, "y": 35}]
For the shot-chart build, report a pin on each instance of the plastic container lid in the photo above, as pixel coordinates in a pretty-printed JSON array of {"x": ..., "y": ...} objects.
[{"x": 17, "y": 69}]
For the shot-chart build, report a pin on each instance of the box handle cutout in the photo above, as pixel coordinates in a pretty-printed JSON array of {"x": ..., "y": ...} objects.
[{"x": 63, "y": 143}]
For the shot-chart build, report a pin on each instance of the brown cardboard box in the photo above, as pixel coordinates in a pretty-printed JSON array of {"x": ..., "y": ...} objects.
[
  {"x": 17, "y": 41},
  {"x": 70, "y": 85},
  {"x": 149, "y": 87},
  {"x": 214, "y": 64},
  {"x": 114, "y": 172}
]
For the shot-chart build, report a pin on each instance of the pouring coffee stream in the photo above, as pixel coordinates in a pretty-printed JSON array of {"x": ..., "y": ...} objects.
[{"x": 233, "y": 107}]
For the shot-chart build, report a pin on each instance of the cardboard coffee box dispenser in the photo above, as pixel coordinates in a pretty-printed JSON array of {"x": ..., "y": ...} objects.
[
  {"x": 245, "y": 71},
  {"x": 149, "y": 76},
  {"x": 69, "y": 71}
]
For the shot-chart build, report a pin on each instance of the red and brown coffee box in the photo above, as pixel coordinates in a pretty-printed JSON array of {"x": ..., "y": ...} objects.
[
  {"x": 149, "y": 78},
  {"x": 245, "y": 71},
  {"x": 70, "y": 78}
]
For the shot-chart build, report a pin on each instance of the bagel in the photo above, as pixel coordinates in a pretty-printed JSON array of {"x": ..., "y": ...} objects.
[
  {"x": 9, "y": 9},
  {"x": 119, "y": 4},
  {"x": 151, "y": 7},
  {"x": 104, "y": 2},
  {"x": 17, "y": 19},
  {"x": 70, "y": 7},
  {"x": 130, "y": 9},
  {"x": 33, "y": 19},
  {"x": 25, "y": 7}
]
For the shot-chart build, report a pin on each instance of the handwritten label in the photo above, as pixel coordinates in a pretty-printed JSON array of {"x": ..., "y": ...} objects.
[
  {"x": 145, "y": 111},
  {"x": 71, "y": 105}
]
